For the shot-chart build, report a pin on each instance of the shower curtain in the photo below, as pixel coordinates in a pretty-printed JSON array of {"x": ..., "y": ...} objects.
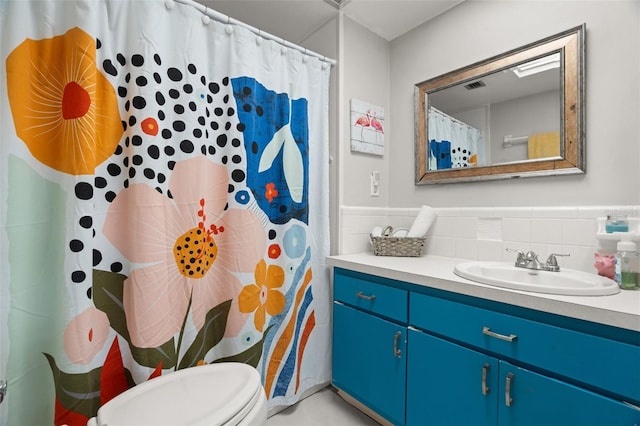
[
  {"x": 452, "y": 143},
  {"x": 163, "y": 204}
]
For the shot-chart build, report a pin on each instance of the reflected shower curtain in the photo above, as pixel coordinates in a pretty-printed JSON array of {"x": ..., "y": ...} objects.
[
  {"x": 164, "y": 204},
  {"x": 452, "y": 143}
]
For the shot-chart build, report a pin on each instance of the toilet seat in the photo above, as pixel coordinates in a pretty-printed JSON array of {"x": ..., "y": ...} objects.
[{"x": 227, "y": 394}]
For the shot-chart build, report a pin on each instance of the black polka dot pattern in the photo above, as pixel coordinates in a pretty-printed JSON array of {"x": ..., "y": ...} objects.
[
  {"x": 460, "y": 157},
  {"x": 169, "y": 113}
]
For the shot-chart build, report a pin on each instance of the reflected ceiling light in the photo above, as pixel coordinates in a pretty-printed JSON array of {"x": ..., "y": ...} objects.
[{"x": 542, "y": 64}]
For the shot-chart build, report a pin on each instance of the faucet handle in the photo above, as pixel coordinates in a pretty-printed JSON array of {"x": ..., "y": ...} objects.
[
  {"x": 520, "y": 260},
  {"x": 552, "y": 262}
]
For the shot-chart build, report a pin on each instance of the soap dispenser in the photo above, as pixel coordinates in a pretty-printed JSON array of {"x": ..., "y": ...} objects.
[{"x": 627, "y": 264}]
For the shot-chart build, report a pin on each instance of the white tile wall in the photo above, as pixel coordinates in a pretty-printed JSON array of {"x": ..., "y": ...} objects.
[{"x": 486, "y": 233}]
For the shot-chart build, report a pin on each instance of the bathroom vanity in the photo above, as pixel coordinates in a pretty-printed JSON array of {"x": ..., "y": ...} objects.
[{"x": 417, "y": 345}]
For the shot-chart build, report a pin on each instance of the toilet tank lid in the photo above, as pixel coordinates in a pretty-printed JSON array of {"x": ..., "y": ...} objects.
[{"x": 207, "y": 394}]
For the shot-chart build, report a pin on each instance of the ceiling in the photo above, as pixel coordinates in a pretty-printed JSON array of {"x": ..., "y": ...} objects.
[{"x": 295, "y": 20}]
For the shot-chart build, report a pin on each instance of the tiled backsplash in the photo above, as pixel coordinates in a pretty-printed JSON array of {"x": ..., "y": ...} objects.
[{"x": 486, "y": 233}]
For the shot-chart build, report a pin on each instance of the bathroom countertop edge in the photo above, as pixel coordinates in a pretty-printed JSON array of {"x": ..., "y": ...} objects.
[{"x": 621, "y": 310}]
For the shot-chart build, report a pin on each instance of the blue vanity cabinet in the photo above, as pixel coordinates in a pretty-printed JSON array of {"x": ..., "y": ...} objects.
[
  {"x": 369, "y": 344},
  {"x": 527, "y": 398},
  {"x": 422, "y": 356},
  {"x": 479, "y": 389},
  {"x": 449, "y": 384},
  {"x": 470, "y": 365}
]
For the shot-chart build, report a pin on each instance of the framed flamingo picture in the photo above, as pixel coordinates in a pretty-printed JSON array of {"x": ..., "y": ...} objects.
[{"x": 367, "y": 128}]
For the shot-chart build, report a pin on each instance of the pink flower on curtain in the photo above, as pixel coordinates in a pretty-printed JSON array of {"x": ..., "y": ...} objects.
[
  {"x": 85, "y": 335},
  {"x": 190, "y": 249}
]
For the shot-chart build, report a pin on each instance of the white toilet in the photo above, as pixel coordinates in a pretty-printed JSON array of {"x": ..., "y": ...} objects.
[{"x": 228, "y": 394}]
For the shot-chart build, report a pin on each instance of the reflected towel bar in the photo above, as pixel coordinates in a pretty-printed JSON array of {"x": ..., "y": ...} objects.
[{"x": 508, "y": 141}]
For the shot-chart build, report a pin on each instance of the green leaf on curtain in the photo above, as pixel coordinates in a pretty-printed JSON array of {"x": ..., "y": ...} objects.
[
  {"x": 107, "y": 296},
  {"x": 251, "y": 356},
  {"x": 79, "y": 393},
  {"x": 209, "y": 335}
]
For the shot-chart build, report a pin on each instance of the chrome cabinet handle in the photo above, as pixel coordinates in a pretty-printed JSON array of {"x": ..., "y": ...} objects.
[
  {"x": 397, "y": 352},
  {"x": 361, "y": 295},
  {"x": 485, "y": 370},
  {"x": 507, "y": 391},
  {"x": 487, "y": 331},
  {"x": 3, "y": 389}
]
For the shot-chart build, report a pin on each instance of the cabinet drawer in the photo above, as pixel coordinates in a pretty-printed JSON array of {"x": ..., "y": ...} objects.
[
  {"x": 373, "y": 297},
  {"x": 591, "y": 360}
]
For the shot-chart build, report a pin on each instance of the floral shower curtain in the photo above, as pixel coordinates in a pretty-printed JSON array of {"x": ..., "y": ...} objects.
[{"x": 163, "y": 204}]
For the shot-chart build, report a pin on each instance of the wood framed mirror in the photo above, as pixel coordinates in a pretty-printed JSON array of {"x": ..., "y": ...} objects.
[{"x": 518, "y": 114}]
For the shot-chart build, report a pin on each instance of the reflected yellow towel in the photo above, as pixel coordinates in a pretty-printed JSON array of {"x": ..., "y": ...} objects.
[{"x": 542, "y": 145}]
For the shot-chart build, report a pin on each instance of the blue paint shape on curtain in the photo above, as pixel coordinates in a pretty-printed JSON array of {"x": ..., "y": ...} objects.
[
  {"x": 286, "y": 374},
  {"x": 441, "y": 150},
  {"x": 276, "y": 321},
  {"x": 263, "y": 112}
]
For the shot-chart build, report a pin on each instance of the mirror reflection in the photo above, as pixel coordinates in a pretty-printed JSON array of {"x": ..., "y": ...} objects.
[
  {"x": 511, "y": 115},
  {"x": 518, "y": 114}
]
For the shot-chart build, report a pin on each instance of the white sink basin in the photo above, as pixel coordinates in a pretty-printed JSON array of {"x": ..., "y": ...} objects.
[{"x": 567, "y": 281}]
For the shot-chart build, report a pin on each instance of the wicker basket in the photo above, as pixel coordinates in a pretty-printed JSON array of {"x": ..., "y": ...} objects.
[{"x": 397, "y": 246}]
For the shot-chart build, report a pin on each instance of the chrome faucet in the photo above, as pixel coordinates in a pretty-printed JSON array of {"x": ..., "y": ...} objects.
[{"x": 529, "y": 260}]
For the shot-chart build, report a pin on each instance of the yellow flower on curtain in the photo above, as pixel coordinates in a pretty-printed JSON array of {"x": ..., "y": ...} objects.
[
  {"x": 64, "y": 109},
  {"x": 189, "y": 247},
  {"x": 262, "y": 296}
]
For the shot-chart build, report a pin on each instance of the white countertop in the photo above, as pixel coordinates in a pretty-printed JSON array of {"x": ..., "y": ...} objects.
[{"x": 619, "y": 310}]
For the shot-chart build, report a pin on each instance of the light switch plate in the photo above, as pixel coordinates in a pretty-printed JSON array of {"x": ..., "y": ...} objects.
[{"x": 375, "y": 184}]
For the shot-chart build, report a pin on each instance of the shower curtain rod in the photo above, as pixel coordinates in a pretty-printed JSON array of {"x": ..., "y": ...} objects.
[
  {"x": 220, "y": 17},
  {"x": 455, "y": 120}
]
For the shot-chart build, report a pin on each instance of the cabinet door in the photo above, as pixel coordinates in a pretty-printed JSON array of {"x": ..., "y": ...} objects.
[
  {"x": 528, "y": 398},
  {"x": 369, "y": 360},
  {"x": 448, "y": 384}
]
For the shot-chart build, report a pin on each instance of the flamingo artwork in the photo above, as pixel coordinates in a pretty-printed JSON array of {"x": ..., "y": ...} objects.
[
  {"x": 376, "y": 125},
  {"x": 367, "y": 127},
  {"x": 363, "y": 121}
]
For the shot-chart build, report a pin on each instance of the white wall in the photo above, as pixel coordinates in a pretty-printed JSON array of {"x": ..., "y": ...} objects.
[
  {"x": 326, "y": 41},
  {"x": 475, "y": 30},
  {"x": 366, "y": 76}
]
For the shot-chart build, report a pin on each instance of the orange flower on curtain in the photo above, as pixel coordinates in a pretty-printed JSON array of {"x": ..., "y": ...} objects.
[
  {"x": 262, "y": 296},
  {"x": 64, "y": 109},
  {"x": 190, "y": 247}
]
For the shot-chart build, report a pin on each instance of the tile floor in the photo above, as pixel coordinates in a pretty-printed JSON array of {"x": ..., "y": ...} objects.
[{"x": 323, "y": 408}]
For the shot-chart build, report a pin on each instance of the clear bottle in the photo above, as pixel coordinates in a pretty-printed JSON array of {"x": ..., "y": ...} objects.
[{"x": 627, "y": 265}]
